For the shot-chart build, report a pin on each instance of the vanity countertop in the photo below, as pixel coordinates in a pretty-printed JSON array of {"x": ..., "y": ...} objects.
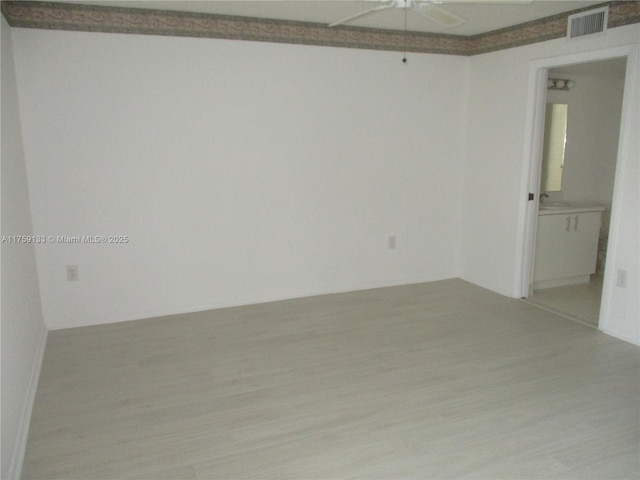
[{"x": 563, "y": 208}]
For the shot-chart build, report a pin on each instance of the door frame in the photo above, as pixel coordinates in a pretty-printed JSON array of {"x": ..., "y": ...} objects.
[{"x": 532, "y": 155}]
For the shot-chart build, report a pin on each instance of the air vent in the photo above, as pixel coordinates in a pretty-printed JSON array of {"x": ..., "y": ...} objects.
[{"x": 588, "y": 23}]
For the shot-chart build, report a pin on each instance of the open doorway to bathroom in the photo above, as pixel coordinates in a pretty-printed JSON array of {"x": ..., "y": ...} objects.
[{"x": 582, "y": 131}]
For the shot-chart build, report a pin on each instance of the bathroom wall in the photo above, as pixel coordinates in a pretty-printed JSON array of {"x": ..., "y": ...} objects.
[{"x": 593, "y": 132}]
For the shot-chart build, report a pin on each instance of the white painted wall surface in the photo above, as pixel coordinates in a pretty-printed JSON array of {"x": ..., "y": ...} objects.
[
  {"x": 241, "y": 172},
  {"x": 23, "y": 330},
  {"x": 621, "y": 306},
  {"x": 495, "y": 173}
]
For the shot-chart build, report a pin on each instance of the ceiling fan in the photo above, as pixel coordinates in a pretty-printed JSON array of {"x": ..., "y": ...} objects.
[{"x": 429, "y": 9}]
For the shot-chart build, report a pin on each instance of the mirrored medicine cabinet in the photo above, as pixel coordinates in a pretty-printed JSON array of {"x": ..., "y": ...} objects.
[{"x": 553, "y": 150}]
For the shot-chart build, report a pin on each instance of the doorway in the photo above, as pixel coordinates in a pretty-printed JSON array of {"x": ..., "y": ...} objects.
[
  {"x": 579, "y": 173},
  {"x": 540, "y": 70}
]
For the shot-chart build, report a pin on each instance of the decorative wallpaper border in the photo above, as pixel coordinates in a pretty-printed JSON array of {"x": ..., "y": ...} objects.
[
  {"x": 620, "y": 13},
  {"x": 94, "y": 18}
]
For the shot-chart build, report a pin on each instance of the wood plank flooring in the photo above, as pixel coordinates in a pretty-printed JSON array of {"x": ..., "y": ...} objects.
[
  {"x": 431, "y": 381},
  {"x": 579, "y": 302}
]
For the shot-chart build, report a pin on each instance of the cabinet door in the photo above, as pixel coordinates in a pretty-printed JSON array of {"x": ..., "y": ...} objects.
[
  {"x": 581, "y": 257},
  {"x": 566, "y": 245},
  {"x": 551, "y": 246}
]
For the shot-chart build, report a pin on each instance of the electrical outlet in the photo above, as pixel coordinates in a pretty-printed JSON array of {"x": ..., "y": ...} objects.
[
  {"x": 72, "y": 273},
  {"x": 391, "y": 243},
  {"x": 621, "y": 278}
]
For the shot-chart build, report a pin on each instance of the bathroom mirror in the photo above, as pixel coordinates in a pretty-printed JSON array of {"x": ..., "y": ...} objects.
[{"x": 555, "y": 139}]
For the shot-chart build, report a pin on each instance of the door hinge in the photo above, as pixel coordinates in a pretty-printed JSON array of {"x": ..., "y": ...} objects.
[{"x": 531, "y": 197}]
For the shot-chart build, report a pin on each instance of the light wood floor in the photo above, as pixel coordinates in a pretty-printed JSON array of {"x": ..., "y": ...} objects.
[
  {"x": 430, "y": 381},
  {"x": 579, "y": 302}
]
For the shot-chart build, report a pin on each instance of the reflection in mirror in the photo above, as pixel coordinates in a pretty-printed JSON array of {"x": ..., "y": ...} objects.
[{"x": 555, "y": 137}]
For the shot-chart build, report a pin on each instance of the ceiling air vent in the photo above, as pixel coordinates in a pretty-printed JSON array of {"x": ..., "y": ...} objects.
[{"x": 588, "y": 23}]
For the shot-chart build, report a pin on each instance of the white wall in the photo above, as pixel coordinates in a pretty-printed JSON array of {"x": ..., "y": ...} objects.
[
  {"x": 593, "y": 132},
  {"x": 496, "y": 171},
  {"x": 241, "y": 172},
  {"x": 621, "y": 306},
  {"x": 23, "y": 331}
]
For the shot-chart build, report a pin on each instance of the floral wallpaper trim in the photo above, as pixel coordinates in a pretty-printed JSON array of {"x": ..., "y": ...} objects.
[
  {"x": 94, "y": 18},
  {"x": 620, "y": 13}
]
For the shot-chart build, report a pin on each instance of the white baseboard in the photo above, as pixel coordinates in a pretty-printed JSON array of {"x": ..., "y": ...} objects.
[
  {"x": 15, "y": 469},
  {"x": 54, "y": 323},
  {"x": 622, "y": 335}
]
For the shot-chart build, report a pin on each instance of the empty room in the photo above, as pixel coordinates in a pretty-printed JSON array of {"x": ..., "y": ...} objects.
[{"x": 308, "y": 239}]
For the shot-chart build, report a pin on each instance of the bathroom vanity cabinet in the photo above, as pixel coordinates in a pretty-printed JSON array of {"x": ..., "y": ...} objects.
[{"x": 566, "y": 245}]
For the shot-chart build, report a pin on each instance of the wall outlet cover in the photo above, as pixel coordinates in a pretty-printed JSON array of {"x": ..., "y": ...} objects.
[{"x": 72, "y": 273}]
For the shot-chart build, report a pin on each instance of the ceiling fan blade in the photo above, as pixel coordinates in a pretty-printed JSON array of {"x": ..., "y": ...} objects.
[
  {"x": 361, "y": 14},
  {"x": 439, "y": 15}
]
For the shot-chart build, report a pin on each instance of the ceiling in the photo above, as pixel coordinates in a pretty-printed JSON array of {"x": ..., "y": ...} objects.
[{"x": 480, "y": 16}]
